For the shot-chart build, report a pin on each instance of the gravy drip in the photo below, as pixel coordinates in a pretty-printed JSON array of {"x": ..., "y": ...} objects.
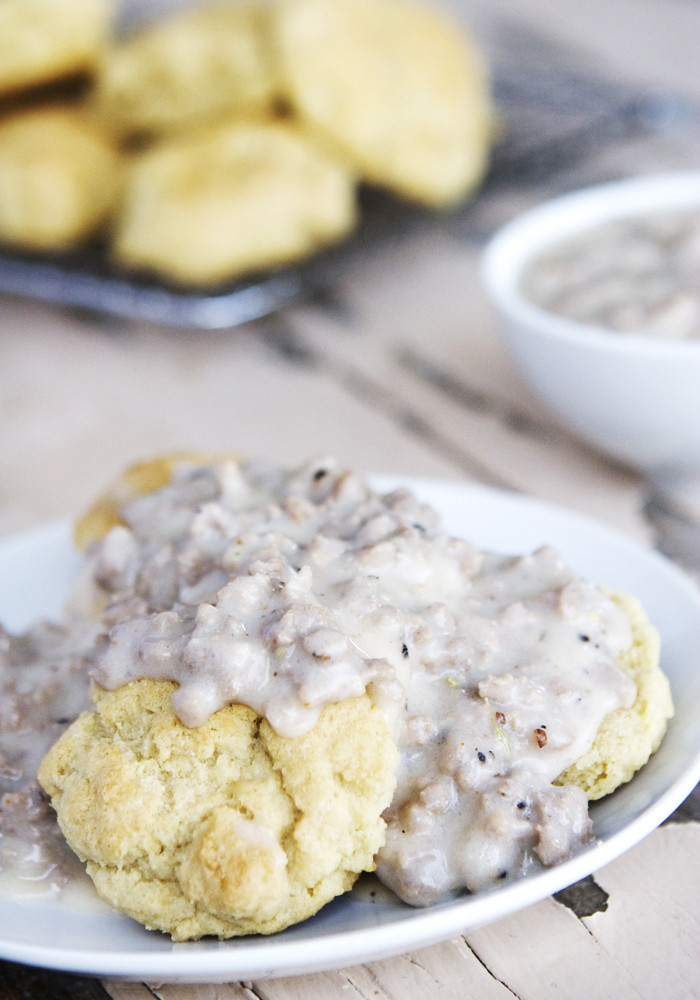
[{"x": 288, "y": 591}]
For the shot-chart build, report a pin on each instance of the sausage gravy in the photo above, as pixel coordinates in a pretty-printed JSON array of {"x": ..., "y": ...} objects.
[
  {"x": 289, "y": 590},
  {"x": 635, "y": 275}
]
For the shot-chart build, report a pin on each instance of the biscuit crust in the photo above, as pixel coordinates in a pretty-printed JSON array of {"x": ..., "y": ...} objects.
[
  {"x": 398, "y": 86},
  {"x": 136, "y": 480},
  {"x": 61, "y": 178},
  {"x": 239, "y": 197},
  {"x": 188, "y": 69},
  {"x": 227, "y": 829},
  {"x": 42, "y": 41},
  {"x": 629, "y": 736}
]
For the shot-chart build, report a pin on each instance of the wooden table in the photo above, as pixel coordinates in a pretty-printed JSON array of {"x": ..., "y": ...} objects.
[{"x": 399, "y": 367}]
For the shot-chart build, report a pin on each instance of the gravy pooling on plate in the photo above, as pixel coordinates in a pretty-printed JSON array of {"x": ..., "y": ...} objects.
[
  {"x": 291, "y": 590},
  {"x": 43, "y": 687}
]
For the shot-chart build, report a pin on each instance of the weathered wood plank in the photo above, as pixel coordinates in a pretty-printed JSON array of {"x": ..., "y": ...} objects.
[
  {"x": 651, "y": 928},
  {"x": 653, "y": 913}
]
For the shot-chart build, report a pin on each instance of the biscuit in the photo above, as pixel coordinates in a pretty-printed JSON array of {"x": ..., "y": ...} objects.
[
  {"x": 188, "y": 69},
  {"x": 227, "y": 829},
  {"x": 629, "y": 736},
  {"x": 626, "y": 738},
  {"x": 237, "y": 198},
  {"x": 396, "y": 85},
  {"x": 136, "y": 480},
  {"x": 42, "y": 41},
  {"x": 59, "y": 178}
]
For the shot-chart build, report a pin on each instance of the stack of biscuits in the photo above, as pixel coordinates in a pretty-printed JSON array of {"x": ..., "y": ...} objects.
[{"x": 232, "y": 137}]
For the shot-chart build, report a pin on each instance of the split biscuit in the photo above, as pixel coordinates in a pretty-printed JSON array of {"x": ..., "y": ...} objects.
[
  {"x": 398, "y": 86},
  {"x": 628, "y": 737},
  {"x": 44, "y": 41},
  {"x": 223, "y": 830},
  {"x": 240, "y": 197},
  {"x": 59, "y": 178},
  {"x": 188, "y": 69}
]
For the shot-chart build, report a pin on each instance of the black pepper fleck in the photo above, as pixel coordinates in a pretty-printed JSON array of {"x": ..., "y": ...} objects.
[{"x": 404, "y": 650}]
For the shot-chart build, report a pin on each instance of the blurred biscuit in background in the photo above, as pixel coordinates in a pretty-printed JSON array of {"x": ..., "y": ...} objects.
[
  {"x": 43, "y": 41},
  {"x": 188, "y": 69},
  {"x": 242, "y": 128},
  {"x": 398, "y": 86},
  {"x": 60, "y": 178},
  {"x": 239, "y": 196}
]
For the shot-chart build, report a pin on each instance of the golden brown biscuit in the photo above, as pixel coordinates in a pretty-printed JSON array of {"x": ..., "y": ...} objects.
[
  {"x": 227, "y": 829},
  {"x": 188, "y": 69},
  {"x": 396, "y": 85},
  {"x": 45, "y": 40},
  {"x": 628, "y": 736},
  {"x": 59, "y": 178},
  {"x": 241, "y": 197}
]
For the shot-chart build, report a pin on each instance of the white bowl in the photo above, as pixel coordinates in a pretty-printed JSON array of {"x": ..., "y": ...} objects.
[{"x": 636, "y": 398}]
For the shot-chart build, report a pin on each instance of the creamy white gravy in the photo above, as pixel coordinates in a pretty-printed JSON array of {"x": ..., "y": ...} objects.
[
  {"x": 288, "y": 591},
  {"x": 639, "y": 274},
  {"x": 43, "y": 687}
]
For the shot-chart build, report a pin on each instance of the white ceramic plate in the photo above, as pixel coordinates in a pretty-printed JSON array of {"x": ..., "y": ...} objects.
[{"x": 35, "y": 573}]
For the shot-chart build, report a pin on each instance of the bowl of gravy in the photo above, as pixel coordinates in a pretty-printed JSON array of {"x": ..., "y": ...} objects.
[{"x": 598, "y": 295}]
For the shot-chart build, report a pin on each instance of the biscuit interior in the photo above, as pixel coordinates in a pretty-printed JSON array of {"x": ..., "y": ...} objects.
[{"x": 227, "y": 829}]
